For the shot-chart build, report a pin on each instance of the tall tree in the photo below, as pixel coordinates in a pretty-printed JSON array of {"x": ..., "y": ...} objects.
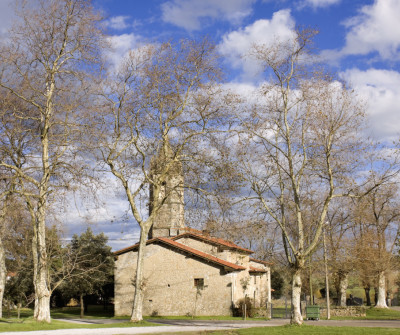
[
  {"x": 94, "y": 266},
  {"x": 378, "y": 220},
  {"x": 297, "y": 148},
  {"x": 340, "y": 247},
  {"x": 44, "y": 65},
  {"x": 161, "y": 101}
]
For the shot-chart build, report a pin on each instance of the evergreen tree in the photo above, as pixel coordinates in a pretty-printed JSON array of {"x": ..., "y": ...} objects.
[{"x": 94, "y": 264}]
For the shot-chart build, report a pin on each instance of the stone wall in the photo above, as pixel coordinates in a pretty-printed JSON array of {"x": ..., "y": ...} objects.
[
  {"x": 170, "y": 288},
  {"x": 355, "y": 311}
]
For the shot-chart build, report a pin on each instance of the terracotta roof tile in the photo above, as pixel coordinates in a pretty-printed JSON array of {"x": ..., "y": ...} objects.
[
  {"x": 253, "y": 269},
  {"x": 200, "y": 254},
  {"x": 183, "y": 247},
  {"x": 132, "y": 247},
  {"x": 259, "y": 261},
  {"x": 213, "y": 240}
]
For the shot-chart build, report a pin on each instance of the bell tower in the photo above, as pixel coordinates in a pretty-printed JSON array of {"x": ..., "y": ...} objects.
[{"x": 170, "y": 217}]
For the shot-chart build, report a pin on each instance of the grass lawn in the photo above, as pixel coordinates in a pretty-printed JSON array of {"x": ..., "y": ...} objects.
[
  {"x": 8, "y": 325},
  {"x": 375, "y": 314},
  {"x": 26, "y": 322},
  {"x": 303, "y": 330},
  {"x": 94, "y": 312}
]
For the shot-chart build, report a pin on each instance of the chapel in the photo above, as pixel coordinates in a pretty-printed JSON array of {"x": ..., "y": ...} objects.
[{"x": 187, "y": 271}]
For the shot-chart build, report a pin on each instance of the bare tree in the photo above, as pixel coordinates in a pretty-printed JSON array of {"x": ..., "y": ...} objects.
[
  {"x": 156, "y": 110},
  {"x": 378, "y": 218},
  {"x": 43, "y": 66},
  {"x": 297, "y": 148},
  {"x": 341, "y": 247},
  {"x": 4, "y": 198}
]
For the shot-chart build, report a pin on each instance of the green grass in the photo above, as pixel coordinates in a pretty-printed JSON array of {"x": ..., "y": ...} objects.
[
  {"x": 303, "y": 330},
  {"x": 382, "y": 314},
  {"x": 27, "y": 323},
  {"x": 7, "y": 325},
  {"x": 94, "y": 312},
  {"x": 375, "y": 314},
  {"x": 296, "y": 330}
]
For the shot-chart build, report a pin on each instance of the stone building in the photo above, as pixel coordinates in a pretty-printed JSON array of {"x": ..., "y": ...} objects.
[{"x": 187, "y": 271}]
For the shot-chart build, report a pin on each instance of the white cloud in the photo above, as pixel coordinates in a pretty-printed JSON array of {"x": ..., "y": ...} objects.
[
  {"x": 236, "y": 45},
  {"x": 318, "y": 3},
  {"x": 375, "y": 29},
  {"x": 118, "y": 22},
  {"x": 121, "y": 45},
  {"x": 190, "y": 14},
  {"x": 381, "y": 91}
]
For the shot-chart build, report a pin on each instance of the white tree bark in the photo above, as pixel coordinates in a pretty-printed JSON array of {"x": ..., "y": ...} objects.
[
  {"x": 42, "y": 290},
  {"x": 296, "y": 317},
  {"x": 3, "y": 275},
  {"x": 381, "y": 303},
  {"x": 137, "y": 311},
  {"x": 343, "y": 283}
]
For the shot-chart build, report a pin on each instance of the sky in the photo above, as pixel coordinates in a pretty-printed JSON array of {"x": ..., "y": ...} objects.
[{"x": 358, "y": 39}]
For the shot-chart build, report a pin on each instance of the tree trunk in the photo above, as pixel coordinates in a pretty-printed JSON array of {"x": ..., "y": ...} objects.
[
  {"x": 41, "y": 286},
  {"x": 82, "y": 305},
  {"x": 35, "y": 269},
  {"x": 296, "y": 317},
  {"x": 137, "y": 312},
  {"x": 343, "y": 283},
  {"x": 367, "y": 290},
  {"x": 3, "y": 275},
  {"x": 328, "y": 302},
  {"x": 86, "y": 304},
  {"x": 381, "y": 302}
]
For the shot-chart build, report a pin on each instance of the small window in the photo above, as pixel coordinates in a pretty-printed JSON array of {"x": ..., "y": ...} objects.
[{"x": 199, "y": 282}]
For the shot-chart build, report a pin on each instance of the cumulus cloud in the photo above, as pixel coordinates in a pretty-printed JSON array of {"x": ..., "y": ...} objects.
[
  {"x": 118, "y": 22},
  {"x": 318, "y": 3},
  {"x": 381, "y": 91},
  {"x": 375, "y": 29},
  {"x": 236, "y": 45},
  {"x": 190, "y": 14},
  {"x": 121, "y": 44}
]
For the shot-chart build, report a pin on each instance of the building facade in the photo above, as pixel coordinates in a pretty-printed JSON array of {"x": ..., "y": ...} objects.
[{"x": 187, "y": 271}]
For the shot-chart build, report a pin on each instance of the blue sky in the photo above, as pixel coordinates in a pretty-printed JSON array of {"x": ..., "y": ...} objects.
[{"x": 359, "y": 39}]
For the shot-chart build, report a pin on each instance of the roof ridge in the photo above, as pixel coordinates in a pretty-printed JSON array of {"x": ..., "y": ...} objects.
[
  {"x": 253, "y": 269},
  {"x": 260, "y": 261},
  {"x": 217, "y": 240},
  {"x": 201, "y": 254}
]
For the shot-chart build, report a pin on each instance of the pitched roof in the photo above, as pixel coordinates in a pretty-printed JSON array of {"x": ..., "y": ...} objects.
[
  {"x": 259, "y": 261},
  {"x": 212, "y": 240},
  {"x": 257, "y": 270},
  {"x": 187, "y": 249},
  {"x": 201, "y": 254},
  {"x": 132, "y": 247}
]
